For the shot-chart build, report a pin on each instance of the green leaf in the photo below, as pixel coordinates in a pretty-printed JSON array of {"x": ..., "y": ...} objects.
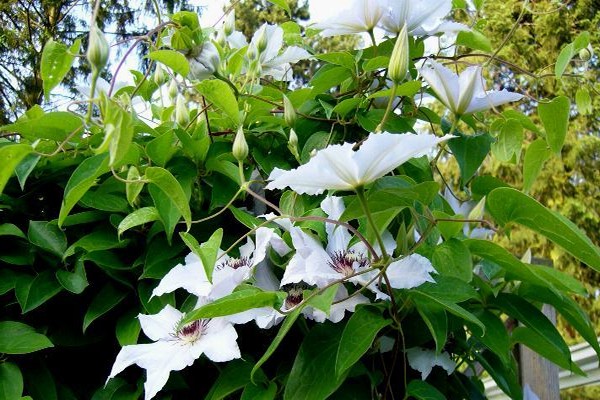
[
  {"x": 563, "y": 60},
  {"x": 74, "y": 282},
  {"x": 474, "y": 40},
  {"x": 422, "y": 390},
  {"x": 108, "y": 298},
  {"x": 509, "y": 141},
  {"x": 505, "y": 376},
  {"x": 452, "y": 258},
  {"x": 83, "y": 178},
  {"x": 536, "y": 155},
  {"x": 128, "y": 328},
  {"x": 496, "y": 337},
  {"x": 259, "y": 392},
  {"x": 161, "y": 149},
  {"x": 555, "y": 117},
  {"x": 11, "y": 381},
  {"x": 118, "y": 127},
  {"x": 545, "y": 348},
  {"x": 527, "y": 314},
  {"x": 18, "y": 338},
  {"x": 245, "y": 218},
  {"x": 172, "y": 59},
  {"x": 54, "y": 126},
  {"x": 322, "y": 301},
  {"x": 345, "y": 106},
  {"x": 133, "y": 189},
  {"x": 584, "y": 101},
  {"x": 207, "y": 251},
  {"x": 138, "y": 217},
  {"x": 222, "y": 97},
  {"x": 11, "y": 230},
  {"x": 287, "y": 324},
  {"x": 358, "y": 336},
  {"x": 313, "y": 374},
  {"x": 509, "y": 205},
  {"x": 167, "y": 183},
  {"x": 26, "y": 167},
  {"x": 100, "y": 239},
  {"x": 11, "y": 156},
  {"x": 342, "y": 58},
  {"x": 48, "y": 236},
  {"x": 327, "y": 78},
  {"x": 469, "y": 152},
  {"x": 234, "y": 303},
  {"x": 33, "y": 292},
  {"x": 283, "y": 4},
  {"x": 234, "y": 376},
  {"x": 436, "y": 320},
  {"x": 56, "y": 62}
]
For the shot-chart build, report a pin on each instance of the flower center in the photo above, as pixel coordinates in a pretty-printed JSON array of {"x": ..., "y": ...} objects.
[
  {"x": 190, "y": 333},
  {"x": 346, "y": 262},
  {"x": 235, "y": 263},
  {"x": 294, "y": 295}
]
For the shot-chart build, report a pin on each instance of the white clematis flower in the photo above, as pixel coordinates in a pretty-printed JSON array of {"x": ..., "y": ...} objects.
[
  {"x": 266, "y": 317},
  {"x": 320, "y": 266},
  {"x": 204, "y": 61},
  {"x": 464, "y": 93},
  {"x": 422, "y": 17},
  {"x": 228, "y": 272},
  {"x": 176, "y": 347},
  {"x": 423, "y": 360},
  {"x": 361, "y": 16},
  {"x": 272, "y": 63},
  {"x": 339, "y": 167}
]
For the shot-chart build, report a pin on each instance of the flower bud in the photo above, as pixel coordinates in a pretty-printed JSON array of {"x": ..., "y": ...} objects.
[
  {"x": 398, "y": 66},
  {"x": 263, "y": 40},
  {"x": 182, "y": 114},
  {"x": 98, "y": 49},
  {"x": 159, "y": 75},
  {"x": 289, "y": 113},
  {"x": 293, "y": 139},
  {"x": 251, "y": 53},
  {"x": 173, "y": 89},
  {"x": 478, "y": 210},
  {"x": 229, "y": 24},
  {"x": 586, "y": 53},
  {"x": 240, "y": 146}
]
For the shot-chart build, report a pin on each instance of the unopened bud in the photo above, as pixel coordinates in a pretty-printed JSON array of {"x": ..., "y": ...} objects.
[
  {"x": 398, "y": 66},
  {"x": 289, "y": 113},
  {"x": 159, "y": 75},
  {"x": 221, "y": 38},
  {"x": 251, "y": 53},
  {"x": 478, "y": 210},
  {"x": 173, "y": 89},
  {"x": 240, "y": 146},
  {"x": 293, "y": 139},
  {"x": 586, "y": 53},
  {"x": 98, "y": 49},
  {"x": 229, "y": 24},
  {"x": 182, "y": 114},
  {"x": 263, "y": 40}
]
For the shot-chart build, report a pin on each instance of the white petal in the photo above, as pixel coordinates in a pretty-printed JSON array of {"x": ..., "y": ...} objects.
[
  {"x": 237, "y": 40},
  {"x": 162, "y": 325},
  {"x": 338, "y": 236},
  {"x": 330, "y": 168},
  {"x": 264, "y": 277},
  {"x": 318, "y": 270},
  {"x": 492, "y": 98},
  {"x": 470, "y": 82},
  {"x": 226, "y": 279},
  {"x": 338, "y": 310},
  {"x": 424, "y": 360},
  {"x": 382, "y": 153},
  {"x": 291, "y": 55},
  {"x": 263, "y": 239},
  {"x": 247, "y": 249},
  {"x": 295, "y": 271},
  {"x": 410, "y": 272},
  {"x": 443, "y": 82},
  {"x": 189, "y": 276},
  {"x": 219, "y": 343}
]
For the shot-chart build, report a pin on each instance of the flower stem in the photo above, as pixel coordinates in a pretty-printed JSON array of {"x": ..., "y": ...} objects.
[
  {"x": 372, "y": 36},
  {"x": 388, "y": 109},
  {"x": 360, "y": 193},
  {"x": 95, "y": 74}
]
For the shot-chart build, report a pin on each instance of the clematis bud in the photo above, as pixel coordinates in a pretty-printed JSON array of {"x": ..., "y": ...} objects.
[
  {"x": 229, "y": 24},
  {"x": 182, "y": 114},
  {"x": 251, "y": 53},
  {"x": 398, "y": 66},
  {"x": 240, "y": 146},
  {"x": 293, "y": 140},
  {"x": 263, "y": 40},
  {"x": 98, "y": 49},
  {"x": 159, "y": 75},
  {"x": 173, "y": 89},
  {"x": 586, "y": 53},
  {"x": 289, "y": 113}
]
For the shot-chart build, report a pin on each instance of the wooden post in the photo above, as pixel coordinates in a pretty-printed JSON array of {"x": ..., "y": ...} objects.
[{"x": 540, "y": 374}]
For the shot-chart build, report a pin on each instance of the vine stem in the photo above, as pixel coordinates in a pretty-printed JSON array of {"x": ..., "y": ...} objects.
[
  {"x": 360, "y": 192},
  {"x": 388, "y": 109}
]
